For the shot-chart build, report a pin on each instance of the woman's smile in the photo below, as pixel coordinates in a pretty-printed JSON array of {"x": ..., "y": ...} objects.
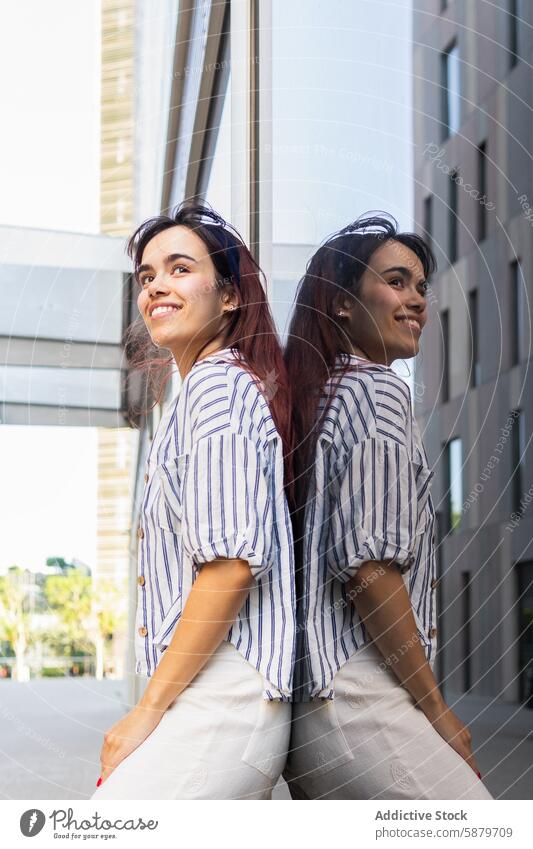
[
  {"x": 164, "y": 311},
  {"x": 409, "y": 323}
]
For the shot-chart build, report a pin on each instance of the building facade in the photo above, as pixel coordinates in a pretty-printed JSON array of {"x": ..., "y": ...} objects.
[
  {"x": 116, "y": 116},
  {"x": 473, "y": 136},
  {"x": 117, "y": 447}
]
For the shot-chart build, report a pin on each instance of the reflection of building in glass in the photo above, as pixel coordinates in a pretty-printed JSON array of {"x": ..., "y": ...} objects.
[{"x": 473, "y": 195}]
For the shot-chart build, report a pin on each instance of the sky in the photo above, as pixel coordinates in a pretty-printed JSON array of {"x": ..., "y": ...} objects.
[
  {"x": 49, "y": 174},
  {"x": 48, "y": 506},
  {"x": 49, "y": 102}
]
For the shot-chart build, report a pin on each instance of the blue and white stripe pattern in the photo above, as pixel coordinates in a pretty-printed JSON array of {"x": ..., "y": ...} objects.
[
  {"x": 214, "y": 489},
  {"x": 368, "y": 499}
]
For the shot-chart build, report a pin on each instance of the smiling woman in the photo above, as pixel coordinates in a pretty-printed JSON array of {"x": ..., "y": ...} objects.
[
  {"x": 197, "y": 265},
  {"x": 215, "y": 628}
]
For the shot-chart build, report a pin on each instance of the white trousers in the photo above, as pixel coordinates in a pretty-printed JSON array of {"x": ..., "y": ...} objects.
[
  {"x": 372, "y": 742},
  {"x": 220, "y": 739}
]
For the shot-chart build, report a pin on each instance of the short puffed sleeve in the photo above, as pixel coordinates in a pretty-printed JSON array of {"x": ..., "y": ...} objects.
[
  {"x": 227, "y": 502},
  {"x": 373, "y": 507}
]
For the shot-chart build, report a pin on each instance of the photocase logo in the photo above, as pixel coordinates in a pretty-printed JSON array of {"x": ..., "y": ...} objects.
[{"x": 31, "y": 822}]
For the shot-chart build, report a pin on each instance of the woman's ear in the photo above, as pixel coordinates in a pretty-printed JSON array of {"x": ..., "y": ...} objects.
[
  {"x": 342, "y": 305},
  {"x": 230, "y": 302}
]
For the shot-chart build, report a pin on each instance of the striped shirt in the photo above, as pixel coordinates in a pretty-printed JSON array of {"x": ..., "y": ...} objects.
[
  {"x": 368, "y": 499},
  {"x": 214, "y": 489}
]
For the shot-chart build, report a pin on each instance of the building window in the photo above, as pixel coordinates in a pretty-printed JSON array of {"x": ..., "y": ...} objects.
[
  {"x": 516, "y": 311},
  {"x": 440, "y": 668},
  {"x": 518, "y": 443},
  {"x": 428, "y": 219},
  {"x": 445, "y": 356},
  {"x": 482, "y": 188},
  {"x": 524, "y": 606},
  {"x": 513, "y": 18},
  {"x": 466, "y": 631},
  {"x": 453, "y": 457},
  {"x": 450, "y": 91},
  {"x": 474, "y": 338},
  {"x": 452, "y": 218},
  {"x": 443, "y": 5}
]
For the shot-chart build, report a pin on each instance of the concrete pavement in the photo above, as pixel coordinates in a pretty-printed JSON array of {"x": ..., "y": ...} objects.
[{"x": 51, "y": 733}]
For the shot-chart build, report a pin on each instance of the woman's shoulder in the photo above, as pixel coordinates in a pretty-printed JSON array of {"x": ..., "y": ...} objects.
[
  {"x": 222, "y": 391},
  {"x": 369, "y": 401},
  {"x": 205, "y": 386}
]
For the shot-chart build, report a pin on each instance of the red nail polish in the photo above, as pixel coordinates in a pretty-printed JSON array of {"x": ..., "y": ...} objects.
[
  {"x": 98, "y": 783},
  {"x": 479, "y": 775}
]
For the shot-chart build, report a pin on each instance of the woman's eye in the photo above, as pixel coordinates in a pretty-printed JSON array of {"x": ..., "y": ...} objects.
[
  {"x": 397, "y": 280},
  {"x": 146, "y": 280},
  {"x": 179, "y": 268}
]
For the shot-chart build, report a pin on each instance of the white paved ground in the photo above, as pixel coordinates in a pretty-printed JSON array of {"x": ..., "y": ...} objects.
[{"x": 51, "y": 734}]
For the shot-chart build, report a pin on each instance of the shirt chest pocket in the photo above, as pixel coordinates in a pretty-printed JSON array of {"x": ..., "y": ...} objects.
[
  {"x": 422, "y": 476},
  {"x": 169, "y": 508}
]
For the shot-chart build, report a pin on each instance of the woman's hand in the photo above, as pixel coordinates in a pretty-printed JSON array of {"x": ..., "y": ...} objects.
[
  {"x": 216, "y": 597},
  {"x": 383, "y": 603},
  {"x": 125, "y": 735},
  {"x": 451, "y": 729}
]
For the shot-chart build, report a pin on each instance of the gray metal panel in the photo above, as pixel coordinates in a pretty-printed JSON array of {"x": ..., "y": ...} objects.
[
  {"x": 59, "y": 303},
  {"x": 25, "y": 414},
  {"x": 67, "y": 299},
  {"x": 23, "y": 350},
  {"x": 61, "y": 387}
]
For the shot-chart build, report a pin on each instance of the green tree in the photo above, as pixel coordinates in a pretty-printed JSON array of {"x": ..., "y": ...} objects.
[
  {"x": 90, "y": 612},
  {"x": 69, "y": 596},
  {"x": 107, "y": 618},
  {"x": 15, "y": 614},
  {"x": 61, "y": 563}
]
